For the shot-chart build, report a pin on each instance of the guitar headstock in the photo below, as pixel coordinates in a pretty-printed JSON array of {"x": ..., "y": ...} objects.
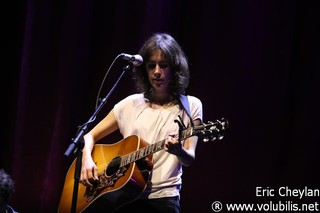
[{"x": 212, "y": 131}]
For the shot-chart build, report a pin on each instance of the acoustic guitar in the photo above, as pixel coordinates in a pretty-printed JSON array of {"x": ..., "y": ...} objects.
[{"x": 124, "y": 168}]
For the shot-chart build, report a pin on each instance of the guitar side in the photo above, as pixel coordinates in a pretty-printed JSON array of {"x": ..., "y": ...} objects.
[{"x": 126, "y": 186}]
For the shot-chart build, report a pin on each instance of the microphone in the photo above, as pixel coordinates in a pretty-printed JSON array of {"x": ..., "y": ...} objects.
[{"x": 136, "y": 60}]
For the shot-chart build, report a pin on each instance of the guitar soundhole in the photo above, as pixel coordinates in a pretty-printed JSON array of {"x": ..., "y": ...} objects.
[{"x": 113, "y": 166}]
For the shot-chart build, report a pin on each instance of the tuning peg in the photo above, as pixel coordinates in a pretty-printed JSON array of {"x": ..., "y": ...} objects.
[
  {"x": 220, "y": 137},
  {"x": 212, "y": 138},
  {"x": 225, "y": 123}
]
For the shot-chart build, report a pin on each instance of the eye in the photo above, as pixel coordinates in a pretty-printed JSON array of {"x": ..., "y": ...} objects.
[
  {"x": 151, "y": 66},
  {"x": 163, "y": 65}
]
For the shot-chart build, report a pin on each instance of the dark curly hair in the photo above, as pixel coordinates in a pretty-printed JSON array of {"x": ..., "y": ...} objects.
[
  {"x": 6, "y": 186},
  {"x": 177, "y": 60}
]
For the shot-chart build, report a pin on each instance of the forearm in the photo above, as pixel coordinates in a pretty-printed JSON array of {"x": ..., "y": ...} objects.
[
  {"x": 88, "y": 145},
  {"x": 186, "y": 157},
  {"x": 102, "y": 129},
  {"x": 185, "y": 151}
]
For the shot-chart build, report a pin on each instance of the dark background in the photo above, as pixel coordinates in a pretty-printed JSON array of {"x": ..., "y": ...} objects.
[{"x": 255, "y": 63}]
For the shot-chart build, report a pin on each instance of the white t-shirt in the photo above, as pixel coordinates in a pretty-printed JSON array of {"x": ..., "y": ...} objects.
[{"x": 135, "y": 117}]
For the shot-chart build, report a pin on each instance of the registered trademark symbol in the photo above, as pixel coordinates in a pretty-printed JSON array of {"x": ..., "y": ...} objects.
[{"x": 216, "y": 206}]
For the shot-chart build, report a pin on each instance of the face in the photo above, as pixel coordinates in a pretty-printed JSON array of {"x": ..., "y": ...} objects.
[{"x": 159, "y": 73}]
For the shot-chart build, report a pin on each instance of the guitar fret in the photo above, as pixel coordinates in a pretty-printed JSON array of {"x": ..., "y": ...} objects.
[
  {"x": 141, "y": 153},
  {"x": 127, "y": 159},
  {"x": 134, "y": 156},
  {"x": 149, "y": 150},
  {"x": 130, "y": 158},
  {"x": 123, "y": 158},
  {"x": 160, "y": 145}
]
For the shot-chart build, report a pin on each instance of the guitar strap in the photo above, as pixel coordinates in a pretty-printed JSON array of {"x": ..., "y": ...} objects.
[{"x": 185, "y": 103}]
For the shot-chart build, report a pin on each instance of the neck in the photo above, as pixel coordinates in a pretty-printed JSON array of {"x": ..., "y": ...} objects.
[{"x": 161, "y": 98}]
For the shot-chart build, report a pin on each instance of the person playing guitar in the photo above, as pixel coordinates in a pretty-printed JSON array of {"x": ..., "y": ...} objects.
[{"x": 161, "y": 79}]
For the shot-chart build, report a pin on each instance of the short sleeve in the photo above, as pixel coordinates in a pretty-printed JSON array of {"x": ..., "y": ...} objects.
[{"x": 195, "y": 108}]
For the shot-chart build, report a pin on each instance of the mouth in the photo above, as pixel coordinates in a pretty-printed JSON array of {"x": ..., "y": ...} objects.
[{"x": 158, "y": 82}]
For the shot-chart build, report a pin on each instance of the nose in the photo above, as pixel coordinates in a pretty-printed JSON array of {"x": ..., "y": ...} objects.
[
  {"x": 157, "y": 75},
  {"x": 157, "y": 71}
]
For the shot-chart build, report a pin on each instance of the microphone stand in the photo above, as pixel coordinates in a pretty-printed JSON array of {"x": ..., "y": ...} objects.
[{"x": 78, "y": 143}]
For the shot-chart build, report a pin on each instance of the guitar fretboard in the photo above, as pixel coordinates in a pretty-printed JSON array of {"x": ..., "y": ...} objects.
[
  {"x": 150, "y": 149},
  {"x": 141, "y": 153}
]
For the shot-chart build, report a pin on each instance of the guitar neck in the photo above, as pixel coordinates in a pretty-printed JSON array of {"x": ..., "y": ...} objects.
[
  {"x": 150, "y": 149},
  {"x": 141, "y": 153}
]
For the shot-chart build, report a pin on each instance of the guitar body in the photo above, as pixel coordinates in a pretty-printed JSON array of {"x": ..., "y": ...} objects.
[{"x": 120, "y": 185}]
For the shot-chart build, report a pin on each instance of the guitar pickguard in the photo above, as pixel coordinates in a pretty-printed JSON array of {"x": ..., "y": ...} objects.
[{"x": 104, "y": 182}]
